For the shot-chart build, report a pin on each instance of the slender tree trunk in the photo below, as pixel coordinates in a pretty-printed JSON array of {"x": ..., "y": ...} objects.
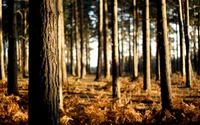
[
  {"x": 78, "y": 61},
  {"x": 106, "y": 47},
  {"x": 194, "y": 48},
  {"x": 12, "y": 50},
  {"x": 2, "y": 70},
  {"x": 122, "y": 40},
  {"x": 158, "y": 48},
  {"x": 83, "y": 62},
  {"x": 115, "y": 62},
  {"x": 72, "y": 40},
  {"x": 100, "y": 38},
  {"x": 61, "y": 49},
  {"x": 44, "y": 80},
  {"x": 146, "y": 48},
  {"x": 182, "y": 53},
  {"x": 88, "y": 49},
  {"x": 164, "y": 59},
  {"x": 187, "y": 43},
  {"x": 24, "y": 41},
  {"x": 135, "y": 54}
]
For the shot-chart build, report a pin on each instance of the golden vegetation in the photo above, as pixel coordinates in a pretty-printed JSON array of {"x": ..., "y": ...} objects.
[{"x": 87, "y": 102}]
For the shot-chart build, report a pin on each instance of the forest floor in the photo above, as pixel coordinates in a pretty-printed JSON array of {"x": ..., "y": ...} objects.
[{"x": 87, "y": 102}]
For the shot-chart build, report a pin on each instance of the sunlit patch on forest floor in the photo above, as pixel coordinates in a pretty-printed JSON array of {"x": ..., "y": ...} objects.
[{"x": 89, "y": 102}]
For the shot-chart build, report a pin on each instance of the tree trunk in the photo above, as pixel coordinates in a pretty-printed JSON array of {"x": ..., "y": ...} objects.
[
  {"x": 61, "y": 49},
  {"x": 2, "y": 69},
  {"x": 78, "y": 61},
  {"x": 44, "y": 80},
  {"x": 187, "y": 43},
  {"x": 182, "y": 53},
  {"x": 24, "y": 41},
  {"x": 135, "y": 54},
  {"x": 164, "y": 59},
  {"x": 88, "y": 49},
  {"x": 115, "y": 62},
  {"x": 146, "y": 48},
  {"x": 12, "y": 49},
  {"x": 100, "y": 39},
  {"x": 106, "y": 44},
  {"x": 72, "y": 39},
  {"x": 83, "y": 61}
]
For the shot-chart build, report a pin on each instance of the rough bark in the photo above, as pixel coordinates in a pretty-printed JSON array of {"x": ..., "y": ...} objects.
[
  {"x": 12, "y": 49},
  {"x": 44, "y": 63}
]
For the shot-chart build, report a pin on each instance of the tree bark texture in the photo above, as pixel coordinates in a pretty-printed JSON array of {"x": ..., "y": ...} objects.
[{"x": 44, "y": 63}]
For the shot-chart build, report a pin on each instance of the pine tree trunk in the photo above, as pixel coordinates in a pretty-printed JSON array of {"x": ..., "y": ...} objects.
[
  {"x": 164, "y": 59},
  {"x": 83, "y": 61},
  {"x": 2, "y": 69},
  {"x": 135, "y": 54},
  {"x": 72, "y": 39},
  {"x": 115, "y": 62},
  {"x": 106, "y": 44},
  {"x": 24, "y": 41},
  {"x": 44, "y": 80},
  {"x": 146, "y": 48},
  {"x": 100, "y": 40},
  {"x": 187, "y": 43},
  {"x": 78, "y": 61},
  {"x": 182, "y": 52},
  {"x": 12, "y": 50}
]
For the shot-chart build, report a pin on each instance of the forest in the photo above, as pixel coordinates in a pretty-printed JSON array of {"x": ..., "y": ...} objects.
[{"x": 99, "y": 62}]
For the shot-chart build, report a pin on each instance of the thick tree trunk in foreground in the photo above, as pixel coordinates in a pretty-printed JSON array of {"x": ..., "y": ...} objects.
[
  {"x": 12, "y": 49},
  {"x": 44, "y": 63}
]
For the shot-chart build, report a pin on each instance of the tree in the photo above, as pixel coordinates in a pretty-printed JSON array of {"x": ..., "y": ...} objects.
[
  {"x": 106, "y": 41},
  {"x": 24, "y": 40},
  {"x": 12, "y": 51},
  {"x": 78, "y": 61},
  {"x": 2, "y": 69},
  {"x": 164, "y": 59},
  {"x": 187, "y": 43},
  {"x": 72, "y": 38},
  {"x": 61, "y": 45},
  {"x": 83, "y": 60},
  {"x": 146, "y": 47},
  {"x": 180, "y": 19},
  {"x": 115, "y": 59},
  {"x": 43, "y": 63},
  {"x": 100, "y": 41},
  {"x": 135, "y": 57}
]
